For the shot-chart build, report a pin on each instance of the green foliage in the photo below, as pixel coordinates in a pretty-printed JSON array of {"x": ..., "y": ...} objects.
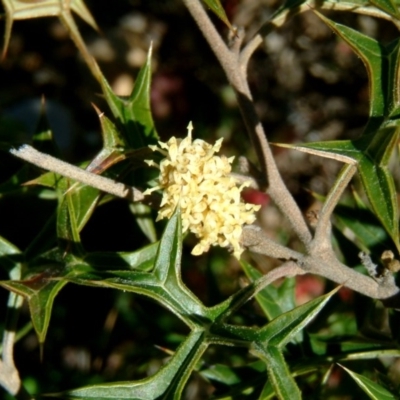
[{"x": 283, "y": 349}]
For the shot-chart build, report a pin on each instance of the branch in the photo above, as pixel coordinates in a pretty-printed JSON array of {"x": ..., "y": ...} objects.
[
  {"x": 322, "y": 237},
  {"x": 324, "y": 264},
  {"x": 63, "y": 168},
  {"x": 230, "y": 62}
]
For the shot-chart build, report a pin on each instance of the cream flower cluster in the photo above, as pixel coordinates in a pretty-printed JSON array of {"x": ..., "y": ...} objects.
[{"x": 197, "y": 180}]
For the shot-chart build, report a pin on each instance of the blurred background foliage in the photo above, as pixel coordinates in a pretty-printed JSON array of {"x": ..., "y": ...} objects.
[{"x": 308, "y": 86}]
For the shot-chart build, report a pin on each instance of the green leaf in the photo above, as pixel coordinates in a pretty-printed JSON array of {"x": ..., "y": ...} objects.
[
  {"x": 278, "y": 372},
  {"x": 145, "y": 220},
  {"x": 273, "y": 300},
  {"x": 373, "y": 169},
  {"x": 67, "y": 224},
  {"x": 371, "y": 388},
  {"x": 388, "y": 6},
  {"x": 242, "y": 382},
  {"x": 283, "y": 328},
  {"x": 9, "y": 258},
  {"x": 218, "y": 10},
  {"x": 221, "y": 373},
  {"x": 163, "y": 284},
  {"x": 375, "y": 58},
  {"x": 371, "y": 153},
  {"x": 40, "y": 290},
  {"x": 167, "y": 383},
  {"x": 367, "y": 231},
  {"x": 18, "y": 10},
  {"x": 142, "y": 259},
  {"x": 272, "y": 337},
  {"x": 134, "y": 113}
]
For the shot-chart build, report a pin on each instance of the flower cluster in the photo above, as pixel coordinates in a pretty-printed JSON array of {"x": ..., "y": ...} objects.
[{"x": 197, "y": 180}]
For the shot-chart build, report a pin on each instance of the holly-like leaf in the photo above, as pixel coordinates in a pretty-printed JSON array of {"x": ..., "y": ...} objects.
[
  {"x": 163, "y": 284},
  {"x": 167, "y": 383},
  {"x": 372, "y": 164},
  {"x": 371, "y": 388},
  {"x": 272, "y": 337},
  {"x": 134, "y": 113},
  {"x": 142, "y": 259},
  {"x": 375, "y": 58},
  {"x": 278, "y": 372},
  {"x": 283, "y": 328},
  {"x": 39, "y": 290},
  {"x": 19, "y": 10},
  {"x": 372, "y": 151}
]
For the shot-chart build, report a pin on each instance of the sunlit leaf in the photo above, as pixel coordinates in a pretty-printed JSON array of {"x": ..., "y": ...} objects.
[
  {"x": 134, "y": 113},
  {"x": 20, "y": 9},
  {"x": 375, "y": 58},
  {"x": 276, "y": 334}
]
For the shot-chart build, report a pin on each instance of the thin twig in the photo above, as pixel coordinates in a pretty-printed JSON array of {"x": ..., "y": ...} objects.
[
  {"x": 324, "y": 264},
  {"x": 254, "y": 238},
  {"x": 249, "y": 49},
  {"x": 323, "y": 230},
  {"x": 49, "y": 163},
  {"x": 237, "y": 77}
]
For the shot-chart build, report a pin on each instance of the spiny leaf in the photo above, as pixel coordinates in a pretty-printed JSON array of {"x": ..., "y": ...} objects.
[
  {"x": 276, "y": 334},
  {"x": 142, "y": 259},
  {"x": 19, "y": 10},
  {"x": 278, "y": 372},
  {"x": 168, "y": 382},
  {"x": 40, "y": 290},
  {"x": 374, "y": 55},
  {"x": 371, "y": 154},
  {"x": 134, "y": 113},
  {"x": 218, "y": 10},
  {"x": 163, "y": 284},
  {"x": 283, "y": 328},
  {"x": 371, "y": 388}
]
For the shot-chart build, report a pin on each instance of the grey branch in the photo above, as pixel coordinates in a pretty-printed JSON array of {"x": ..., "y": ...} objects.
[
  {"x": 63, "y": 168},
  {"x": 323, "y": 263},
  {"x": 235, "y": 70}
]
